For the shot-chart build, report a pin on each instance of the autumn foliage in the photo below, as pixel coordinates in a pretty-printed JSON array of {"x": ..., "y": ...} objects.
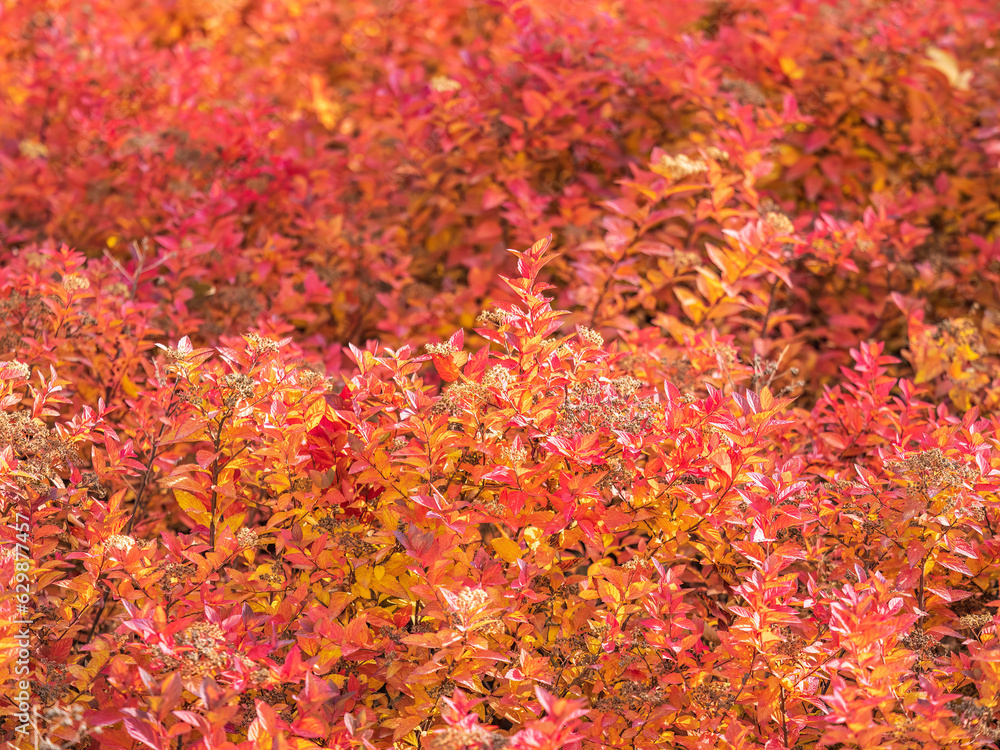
[{"x": 296, "y": 454}]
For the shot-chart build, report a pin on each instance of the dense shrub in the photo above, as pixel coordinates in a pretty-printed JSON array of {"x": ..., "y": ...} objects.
[{"x": 296, "y": 454}]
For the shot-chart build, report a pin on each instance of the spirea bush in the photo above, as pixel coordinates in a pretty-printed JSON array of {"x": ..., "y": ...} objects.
[{"x": 295, "y": 454}]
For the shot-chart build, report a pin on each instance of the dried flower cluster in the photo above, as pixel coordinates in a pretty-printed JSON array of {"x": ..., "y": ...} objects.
[
  {"x": 933, "y": 469},
  {"x": 790, "y": 644},
  {"x": 125, "y": 542},
  {"x": 206, "y": 652},
  {"x": 496, "y": 317},
  {"x": 978, "y": 720},
  {"x": 275, "y": 573},
  {"x": 714, "y": 697},
  {"x": 680, "y": 166},
  {"x": 470, "y": 601},
  {"x": 247, "y": 538},
  {"x": 442, "y": 350},
  {"x": 261, "y": 343},
  {"x": 974, "y": 622},
  {"x": 443, "y": 83},
  {"x": 61, "y": 717},
  {"x": 75, "y": 283},
  {"x": 43, "y": 454},
  {"x": 14, "y": 370},
  {"x": 175, "y": 573},
  {"x": 513, "y": 456},
  {"x": 589, "y": 407},
  {"x": 458, "y": 396},
  {"x": 241, "y": 387},
  {"x": 591, "y": 336}
]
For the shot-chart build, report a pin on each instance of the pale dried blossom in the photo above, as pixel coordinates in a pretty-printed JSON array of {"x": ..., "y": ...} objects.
[
  {"x": 779, "y": 222},
  {"x": 976, "y": 621},
  {"x": 591, "y": 336},
  {"x": 64, "y": 717},
  {"x": 174, "y": 354},
  {"x": 443, "y": 349},
  {"x": 247, "y": 538},
  {"x": 681, "y": 166},
  {"x": 725, "y": 354},
  {"x": 262, "y": 344},
  {"x": 633, "y": 696},
  {"x": 588, "y": 407},
  {"x": 174, "y": 573},
  {"x": 489, "y": 504},
  {"x": 746, "y": 92},
  {"x": 719, "y": 154},
  {"x": 14, "y": 370},
  {"x": 240, "y": 385},
  {"x": 309, "y": 378},
  {"x": 498, "y": 376},
  {"x": 206, "y": 651},
  {"x": 457, "y": 396},
  {"x": 975, "y": 718},
  {"x": 468, "y": 606},
  {"x": 471, "y": 600},
  {"x": 619, "y": 477},
  {"x": 640, "y": 564},
  {"x": 125, "y": 543},
  {"x": 42, "y": 450},
  {"x": 120, "y": 541},
  {"x": 687, "y": 258},
  {"x": 865, "y": 245},
  {"x": 626, "y": 386},
  {"x": 497, "y": 317},
  {"x": 790, "y": 644},
  {"x": 75, "y": 283},
  {"x": 33, "y": 149},
  {"x": 444, "y": 84},
  {"x": 514, "y": 456},
  {"x": 933, "y": 469}
]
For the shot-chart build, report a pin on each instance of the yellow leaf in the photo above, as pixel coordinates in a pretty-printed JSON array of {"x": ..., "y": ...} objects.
[
  {"x": 363, "y": 576},
  {"x": 788, "y": 155},
  {"x": 961, "y": 397},
  {"x": 17, "y": 94},
  {"x": 129, "y": 387},
  {"x": 532, "y": 535},
  {"x": 507, "y": 549},
  {"x": 929, "y": 565},
  {"x": 723, "y": 258},
  {"x": 327, "y": 111},
  {"x": 608, "y": 592},
  {"x": 693, "y": 306},
  {"x": 709, "y": 285},
  {"x": 192, "y": 505},
  {"x": 946, "y": 64},
  {"x": 791, "y": 68}
]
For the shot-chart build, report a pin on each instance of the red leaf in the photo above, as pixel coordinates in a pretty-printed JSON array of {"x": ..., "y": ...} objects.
[{"x": 141, "y": 730}]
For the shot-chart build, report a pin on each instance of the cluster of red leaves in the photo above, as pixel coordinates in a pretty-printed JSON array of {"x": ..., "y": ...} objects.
[{"x": 600, "y": 521}]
